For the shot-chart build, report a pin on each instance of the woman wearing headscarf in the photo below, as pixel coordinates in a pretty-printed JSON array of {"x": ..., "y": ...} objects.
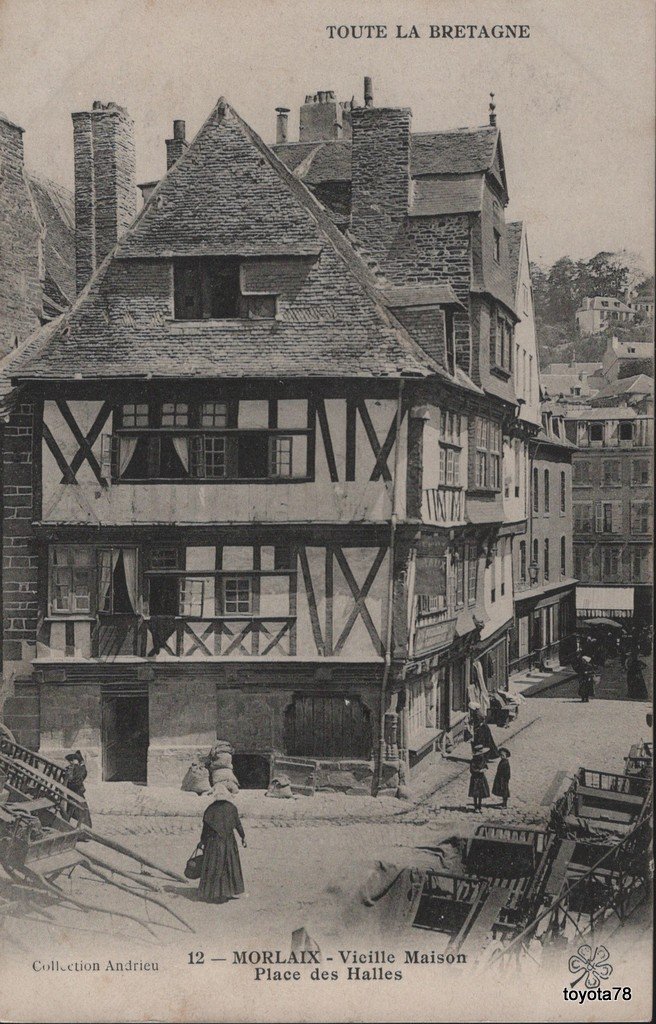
[
  {"x": 478, "y": 787},
  {"x": 221, "y": 878}
]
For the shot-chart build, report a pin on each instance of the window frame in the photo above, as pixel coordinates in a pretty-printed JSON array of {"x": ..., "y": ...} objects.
[
  {"x": 239, "y": 580},
  {"x": 74, "y": 571}
]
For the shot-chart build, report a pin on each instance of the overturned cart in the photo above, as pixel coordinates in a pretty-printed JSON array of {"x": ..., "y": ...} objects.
[{"x": 42, "y": 842}]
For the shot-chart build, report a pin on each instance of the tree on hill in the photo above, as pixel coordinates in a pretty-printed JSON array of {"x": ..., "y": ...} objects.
[{"x": 636, "y": 366}]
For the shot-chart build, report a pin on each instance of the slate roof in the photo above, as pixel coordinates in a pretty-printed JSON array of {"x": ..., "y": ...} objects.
[
  {"x": 608, "y": 413},
  {"x": 435, "y": 196},
  {"x": 56, "y": 209},
  {"x": 420, "y": 295},
  {"x": 460, "y": 151},
  {"x": 640, "y": 384},
  {"x": 228, "y": 189}
]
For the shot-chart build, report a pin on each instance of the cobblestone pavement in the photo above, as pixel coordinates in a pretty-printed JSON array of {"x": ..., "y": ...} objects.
[
  {"x": 308, "y": 872},
  {"x": 612, "y": 684}
]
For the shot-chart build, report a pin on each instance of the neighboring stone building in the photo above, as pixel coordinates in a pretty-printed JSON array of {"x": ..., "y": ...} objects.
[
  {"x": 38, "y": 244},
  {"x": 621, "y": 357},
  {"x": 600, "y": 312},
  {"x": 613, "y": 509},
  {"x": 273, "y": 462}
]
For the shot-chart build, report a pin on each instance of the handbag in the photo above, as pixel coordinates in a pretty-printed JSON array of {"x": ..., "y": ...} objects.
[{"x": 194, "y": 865}]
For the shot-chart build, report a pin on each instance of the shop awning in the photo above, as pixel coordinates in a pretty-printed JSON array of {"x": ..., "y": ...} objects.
[{"x": 595, "y": 602}]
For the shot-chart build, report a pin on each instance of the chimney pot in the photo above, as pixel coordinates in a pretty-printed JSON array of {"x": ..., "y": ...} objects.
[
  {"x": 368, "y": 92},
  {"x": 179, "y": 130}
]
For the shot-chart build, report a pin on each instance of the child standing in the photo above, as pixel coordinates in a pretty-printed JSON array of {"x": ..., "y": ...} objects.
[{"x": 500, "y": 786}]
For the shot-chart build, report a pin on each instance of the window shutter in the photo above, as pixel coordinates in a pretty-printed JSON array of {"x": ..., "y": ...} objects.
[
  {"x": 599, "y": 517},
  {"x": 154, "y": 452},
  {"x": 617, "y": 516},
  {"x": 198, "y": 456},
  {"x": 109, "y": 456}
]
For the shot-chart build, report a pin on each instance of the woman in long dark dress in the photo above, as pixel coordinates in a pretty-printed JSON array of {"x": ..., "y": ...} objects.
[
  {"x": 636, "y": 688},
  {"x": 483, "y": 738},
  {"x": 501, "y": 784},
  {"x": 478, "y": 787},
  {"x": 221, "y": 878}
]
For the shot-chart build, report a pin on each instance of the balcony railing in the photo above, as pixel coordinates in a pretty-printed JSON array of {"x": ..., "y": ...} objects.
[
  {"x": 444, "y": 504},
  {"x": 203, "y": 637}
]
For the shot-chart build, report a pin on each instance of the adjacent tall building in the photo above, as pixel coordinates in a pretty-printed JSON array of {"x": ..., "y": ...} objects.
[{"x": 276, "y": 460}]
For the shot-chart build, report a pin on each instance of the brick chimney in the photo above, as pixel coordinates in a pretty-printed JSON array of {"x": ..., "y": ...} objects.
[
  {"x": 380, "y": 164},
  {"x": 105, "y": 184},
  {"x": 176, "y": 146},
  {"x": 282, "y": 124}
]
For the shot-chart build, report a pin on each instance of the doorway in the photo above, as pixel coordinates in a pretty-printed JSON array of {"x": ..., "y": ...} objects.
[{"x": 125, "y": 735}]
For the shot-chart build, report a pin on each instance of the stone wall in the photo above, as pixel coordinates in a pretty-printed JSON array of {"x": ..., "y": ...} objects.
[{"x": 21, "y": 257}]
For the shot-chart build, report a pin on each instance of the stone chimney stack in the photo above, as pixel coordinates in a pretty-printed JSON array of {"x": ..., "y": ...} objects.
[
  {"x": 380, "y": 163},
  {"x": 105, "y": 184},
  {"x": 321, "y": 117},
  {"x": 282, "y": 124},
  {"x": 176, "y": 146}
]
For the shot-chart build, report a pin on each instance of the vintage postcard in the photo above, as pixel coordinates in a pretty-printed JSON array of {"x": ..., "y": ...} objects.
[{"x": 326, "y": 510}]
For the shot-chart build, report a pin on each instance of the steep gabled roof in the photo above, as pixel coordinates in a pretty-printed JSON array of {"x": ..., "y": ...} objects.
[
  {"x": 57, "y": 213},
  {"x": 229, "y": 193}
]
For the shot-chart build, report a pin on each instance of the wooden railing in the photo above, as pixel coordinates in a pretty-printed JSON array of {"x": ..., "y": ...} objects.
[{"x": 220, "y": 636}]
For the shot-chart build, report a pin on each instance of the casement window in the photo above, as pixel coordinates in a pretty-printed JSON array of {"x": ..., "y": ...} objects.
[
  {"x": 610, "y": 563},
  {"x": 450, "y": 448},
  {"x": 536, "y": 490},
  {"x": 583, "y": 520},
  {"x": 581, "y": 472},
  {"x": 546, "y": 559},
  {"x": 117, "y": 581},
  {"x": 237, "y": 595},
  {"x": 72, "y": 576},
  {"x": 639, "y": 472},
  {"x": 503, "y": 341},
  {"x": 563, "y": 493},
  {"x": 536, "y": 555},
  {"x": 639, "y": 563},
  {"x": 596, "y": 432},
  {"x": 134, "y": 415},
  {"x": 488, "y": 455},
  {"x": 522, "y": 561},
  {"x": 640, "y": 517},
  {"x": 209, "y": 288},
  {"x": 192, "y": 597},
  {"x": 608, "y": 517},
  {"x": 482, "y": 440},
  {"x": 214, "y": 414},
  {"x": 626, "y": 431},
  {"x": 563, "y": 556},
  {"x": 280, "y": 456},
  {"x": 612, "y": 473},
  {"x": 472, "y": 573},
  {"x": 547, "y": 498},
  {"x": 175, "y": 414},
  {"x": 209, "y": 456},
  {"x": 496, "y": 245}
]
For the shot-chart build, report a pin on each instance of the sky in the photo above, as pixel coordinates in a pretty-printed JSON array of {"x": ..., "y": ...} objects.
[{"x": 575, "y": 101}]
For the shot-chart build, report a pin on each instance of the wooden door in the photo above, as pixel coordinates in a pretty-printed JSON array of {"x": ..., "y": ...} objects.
[
  {"x": 125, "y": 737},
  {"x": 328, "y": 726}
]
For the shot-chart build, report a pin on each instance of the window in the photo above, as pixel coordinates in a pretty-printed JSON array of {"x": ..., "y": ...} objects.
[
  {"x": 472, "y": 573},
  {"x": 582, "y": 562},
  {"x": 563, "y": 556},
  {"x": 581, "y": 472},
  {"x": 639, "y": 562},
  {"x": 496, "y": 244},
  {"x": 546, "y": 492},
  {"x": 163, "y": 558},
  {"x": 626, "y": 431},
  {"x": 535, "y": 561},
  {"x": 596, "y": 431},
  {"x": 209, "y": 456},
  {"x": 640, "y": 471},
  {"x": 502, "y": 565},
  {"x": 135, "y": 416},
  {"x": 640, "y": 517},
  {"x": 175, "y": 414},
  {"x": 608, "y": 517},
  {"x": 495, "y": 456},
  {"x": 501, "y": 345},
  {"x": 583, "y": 517},
  {"x": 214, "y": 414},
  {"x": 280, "y": 456},
  {"x": 611, "y": 474},
  {"x": 208, "y": 288},
  {"x": 237, "y": 595},
  {"x": 493, "y": 574},
  {"x": 117, "y": 581},
  {"x": 610, "y": 563},
  {"x": 518, "y": 466},
  {"x": 429, "y": 604},
  {"x": 546, "y": 558},
  {"x": 71, "y": 580},
  {"x": 536, "y": 490},
  {"x": 482, "y": 441},
  {"x": 522, "y": 561},
  {"x": 563, "y": 492},
  {"x": 192, "y": 597}
]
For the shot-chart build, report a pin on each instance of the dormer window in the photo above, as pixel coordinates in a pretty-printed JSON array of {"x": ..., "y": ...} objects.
[{"x": 210, "y": 288}]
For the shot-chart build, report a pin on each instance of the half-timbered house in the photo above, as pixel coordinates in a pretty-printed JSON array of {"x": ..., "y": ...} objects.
[{"x": 265, "y": 454}]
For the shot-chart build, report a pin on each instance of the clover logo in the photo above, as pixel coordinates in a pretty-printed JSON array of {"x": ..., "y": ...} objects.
[{"x": 592, "y": 966}]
